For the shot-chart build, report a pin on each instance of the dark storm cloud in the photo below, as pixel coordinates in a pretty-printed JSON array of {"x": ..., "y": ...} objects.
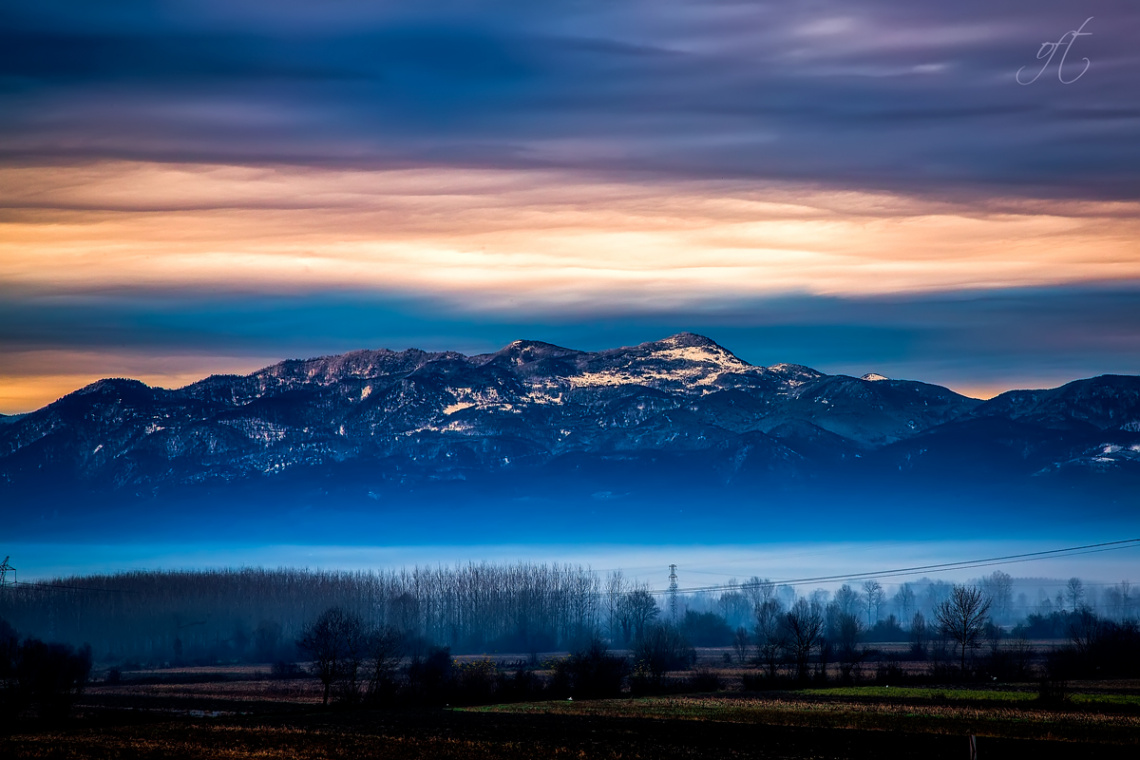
[{"x": 911, "y": 96}]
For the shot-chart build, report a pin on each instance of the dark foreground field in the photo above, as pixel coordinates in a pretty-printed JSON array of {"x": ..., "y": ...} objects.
[
  {"x": 241, "y": 714},
  {"x": 477, "y": 735}
]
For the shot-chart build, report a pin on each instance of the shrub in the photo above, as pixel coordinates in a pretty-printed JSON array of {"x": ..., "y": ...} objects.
[
  {"x": 285, "y": 670},
  {"x": 590, "y": 673},
  {"x": 704, "y": 678},
  {"x": 431, "y": 678},
  {"x": 50, "y": 676},
  {"x": 660, "y": 649}
]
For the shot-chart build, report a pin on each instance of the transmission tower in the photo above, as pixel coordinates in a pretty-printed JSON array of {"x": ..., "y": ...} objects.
[
  {"x": 4, "y": 568},
  {"x": 673, "y": 592}
]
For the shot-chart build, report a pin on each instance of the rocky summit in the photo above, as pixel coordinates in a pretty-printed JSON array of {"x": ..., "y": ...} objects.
[{"x": 683, "y": 412}]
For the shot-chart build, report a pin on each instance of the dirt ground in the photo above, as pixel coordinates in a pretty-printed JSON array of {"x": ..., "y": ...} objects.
[{"x": 242, "y": 712}]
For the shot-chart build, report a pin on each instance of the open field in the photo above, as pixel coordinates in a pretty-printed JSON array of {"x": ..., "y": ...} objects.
[{"x": 240, "y": 712}]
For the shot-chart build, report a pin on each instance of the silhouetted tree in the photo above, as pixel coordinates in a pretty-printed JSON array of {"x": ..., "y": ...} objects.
[
  {"x": 659, "y": 649},
  {"x": 904, "y": 600},
  {"x": 1074, "y": 592},
  {"x": 770, "y": 637},
  {"x": 740, "y": 643},
  {"x": 385, "y": 646},
  {"x": 50, "y": 676},
  {"x": 848, "y": 600},
  {"x": 961, "y": 618},
  {"x": 639, "y": 609},
  {"x": 590, "y": 673},
  {"x": 918, "y": 636},
  {"x": 803, "y": 625},
  {"x": 336, "y": 644},
  {"x": 873, "y": 596}
]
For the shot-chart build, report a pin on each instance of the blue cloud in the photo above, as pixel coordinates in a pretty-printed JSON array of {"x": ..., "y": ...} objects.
[
  {"x": 915, "y": 96},
  {"x": 1037, "y": 336}
]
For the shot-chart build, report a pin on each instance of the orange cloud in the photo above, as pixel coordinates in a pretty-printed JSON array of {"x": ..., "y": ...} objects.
[{"x": 486, "y": 236}]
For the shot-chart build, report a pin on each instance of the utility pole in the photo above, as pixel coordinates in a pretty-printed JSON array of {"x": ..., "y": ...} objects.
[{"x": 673, "y": 593}]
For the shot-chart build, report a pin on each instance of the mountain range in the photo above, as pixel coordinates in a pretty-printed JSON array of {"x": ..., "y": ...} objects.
[{"x": 677, "y": 420}]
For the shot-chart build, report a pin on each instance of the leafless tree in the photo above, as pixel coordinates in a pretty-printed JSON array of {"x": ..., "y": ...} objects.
[
  {"x": 770, "y": 639},
  {"x": 848, "y": 600},
  {"x": 904, "y": 600},
  {"x": 740, "y": 642},
  {"x": 615, "y": 596},
  {"x": 803, "y": 624},
  {"x": 639, "y": 609},
  {"x": 998, "y": 588},
  {"x": 873, "y": 596},
  {"x": 385, "y": 646},
  {"x": 336, "y": 643},
  {"x": 918, "y": 635},
  {"x": 1075, "y": 593},
  {"x": 961, "y": 618}
]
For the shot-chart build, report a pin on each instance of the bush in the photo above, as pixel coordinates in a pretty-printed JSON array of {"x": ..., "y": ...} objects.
[
  {"x": 285, "y": 670},
  {"x": 431, "y": 678},
  {"x": 476, "y": 682},
  {"x": 590, "y": 673},
  {"x": 50, "y": 676},
  {"x": 661, "y": 649},
  {"x": 521, "y": 686},
  {"x": 704, "y": 679}
]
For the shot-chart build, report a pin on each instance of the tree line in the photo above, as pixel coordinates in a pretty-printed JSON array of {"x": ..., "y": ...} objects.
[{"x": 258, "y": 615}]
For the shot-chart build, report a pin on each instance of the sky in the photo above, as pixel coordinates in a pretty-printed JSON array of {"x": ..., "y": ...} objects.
[
  {"x": 921, "y": 189},
  {"x": 699, "y": 566}
]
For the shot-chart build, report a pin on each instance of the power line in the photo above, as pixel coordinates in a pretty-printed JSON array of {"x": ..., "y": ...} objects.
[
  {"x": 25, "y": 586},
  {"x": 941, "y": 567},
  {"x": 1071, "y": 551}
]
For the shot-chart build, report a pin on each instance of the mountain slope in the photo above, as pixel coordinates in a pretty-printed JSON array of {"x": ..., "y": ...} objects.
[{"x": 681, "y": 414}]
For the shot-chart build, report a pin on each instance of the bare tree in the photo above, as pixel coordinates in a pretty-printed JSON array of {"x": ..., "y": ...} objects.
[
  {"x": 848, "y": 600},
  {"x": 848, "y": 632},
  {"x": 803, "y": 624},
  {"x": 741, "y": 642},
  {"x": 385, "y": 645},
  {"x": 905, "y": 600},
  {"x": 770, "y": 640},
  {"x": 998, "y": 588},
  {"x": 615, "y": 595},
  {"x": 1075, "y": 593},
  {"x": 661, "y": 648},
  {"x": 961, "y": 618},
  {"x": 639, "y": 609},
  {"x": 336, "y": 643},
  {"x": 753, "y": 590},
  {"x": 918, "y": 636},
  {"x": 873, "y": 596}
]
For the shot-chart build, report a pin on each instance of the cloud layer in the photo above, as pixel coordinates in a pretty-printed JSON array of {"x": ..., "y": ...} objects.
[
  {"x": 916, "y": 96},
  {"x": 192, "y": 187}
]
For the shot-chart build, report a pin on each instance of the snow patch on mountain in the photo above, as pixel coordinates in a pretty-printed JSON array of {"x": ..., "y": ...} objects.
[{"x": 680, "y": 359}]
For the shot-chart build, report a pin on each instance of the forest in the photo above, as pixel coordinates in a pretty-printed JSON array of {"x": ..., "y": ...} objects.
[{"x": 258, "y": 615}]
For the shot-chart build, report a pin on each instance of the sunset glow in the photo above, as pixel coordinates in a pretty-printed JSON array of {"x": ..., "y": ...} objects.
[{"x": 856, "y": 187}]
